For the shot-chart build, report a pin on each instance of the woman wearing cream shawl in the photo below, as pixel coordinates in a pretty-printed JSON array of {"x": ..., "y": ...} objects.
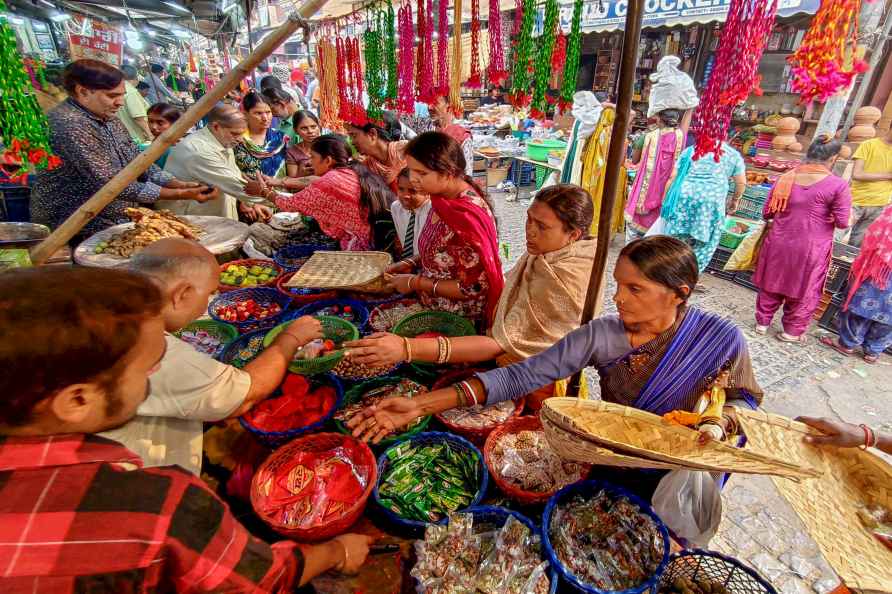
[{"x": 541, "y": 302}]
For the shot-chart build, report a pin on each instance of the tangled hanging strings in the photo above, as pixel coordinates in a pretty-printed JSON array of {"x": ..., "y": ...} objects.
[
  {"x": 520, "y": 77},
  {"x": 455, "y": 84},
  {"x": 406, "y": 92},
  {"x": 442, "y": 47},
  {"x": 376, "y": 85},
  {"x": 734, "y": 75},
  {"x": 390, "y": 56},
  {"x": 496, "y": 72},
  {"x": 327, "y": 65},
  {"x": 474, "y": 81},
  {"x": 825, "y": 62},
  {"x": 571, "y": 64},
  {"x": 543, "y": 60}
]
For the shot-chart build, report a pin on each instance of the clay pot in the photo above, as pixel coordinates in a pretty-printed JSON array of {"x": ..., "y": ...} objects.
[
  {"x": 796, "y": 147},
  {"x": 865, "y": 124},
  {"x": 786, "y": 133},
  {"x": 845, "y": 152}
]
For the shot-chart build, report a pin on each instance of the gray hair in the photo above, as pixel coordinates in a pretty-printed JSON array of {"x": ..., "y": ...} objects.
[
  {"x": 168, "y": 268},
  {"x": 823, "y": 148},
  {"x": 227, "y": 116}
]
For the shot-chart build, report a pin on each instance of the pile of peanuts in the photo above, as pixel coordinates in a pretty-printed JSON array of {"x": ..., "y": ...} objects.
[{"x": 351, "y": 370}]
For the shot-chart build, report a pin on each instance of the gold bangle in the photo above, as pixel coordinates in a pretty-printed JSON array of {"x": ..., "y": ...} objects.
[
  {"x": 448, "y": 350},
  {"x": 441, "y": 350},
  {"x": 434, "y": 288},
  {"x": 408, "y": 349},
  {"x": 462, "y": 397}
]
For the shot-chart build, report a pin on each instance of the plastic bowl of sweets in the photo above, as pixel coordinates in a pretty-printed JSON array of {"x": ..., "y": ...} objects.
[
  {"x": 475, "y": 423},
  {"x": 249, "y": 309},
  {"x": 208, "y": 336},
  {"x": 371, "y": 391},
  {"x": 314, "y": 487},
  {"x": 247, "y": 273},
  {"x": 350, "y": 310},
  {"x": 425, "y": 477},
  {"x": 319, "y": 356}
]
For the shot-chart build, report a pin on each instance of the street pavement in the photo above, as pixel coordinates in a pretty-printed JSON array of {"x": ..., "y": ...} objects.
[{"x": 758, "y": 525}]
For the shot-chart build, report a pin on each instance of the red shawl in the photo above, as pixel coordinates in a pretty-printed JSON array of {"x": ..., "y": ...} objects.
[
  {"x": 457, "y": 133},
  {"x": 476, "y": 227},
  {"x": 874, "y": 263}
]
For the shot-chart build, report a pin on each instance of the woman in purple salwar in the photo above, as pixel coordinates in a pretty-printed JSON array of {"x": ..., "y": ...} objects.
[
  {"x": 657, "y": 355},
  {"x": 803, "y": 209}
]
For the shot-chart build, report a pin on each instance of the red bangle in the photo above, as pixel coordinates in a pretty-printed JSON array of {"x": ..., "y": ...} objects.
[{"x": 868, "y": 438}]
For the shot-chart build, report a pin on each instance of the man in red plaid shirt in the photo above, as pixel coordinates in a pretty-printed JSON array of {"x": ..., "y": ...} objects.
[{"x": 77, "y": 514}]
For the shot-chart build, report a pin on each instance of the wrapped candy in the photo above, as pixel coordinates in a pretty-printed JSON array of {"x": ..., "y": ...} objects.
[{"x": 525, "y": 460}]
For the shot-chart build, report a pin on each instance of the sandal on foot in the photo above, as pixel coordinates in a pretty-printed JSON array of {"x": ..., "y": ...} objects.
[
  {"x": 871, "y": 359},
  {"x": 784, "y": 337},
  {"x": 761, "y": 330},
  {"x": 834, "y": 344}
]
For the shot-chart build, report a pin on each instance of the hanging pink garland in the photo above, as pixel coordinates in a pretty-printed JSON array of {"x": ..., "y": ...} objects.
[
  {"x": 496, "y": 73},
  {"x": 420, "y": 24},
  {"x": 406, "y": 95},
  {"x": 734, "y": 75},
  {"x": 473, "y": 81},
  {"x": 425, "y": 60},
  {"x": 350, "y": 82},
  {"x": 442, "y": 48}
]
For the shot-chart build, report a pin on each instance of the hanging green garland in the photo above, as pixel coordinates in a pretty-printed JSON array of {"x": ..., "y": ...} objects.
[
  {"x": 520, "y": 78},
  {"x": 390, "y": 51},
  {"x": 543, "y": 60},
  {"x": 376, "y": 86},
  {"x": 23, "y": 127},
  {"x": 571, "y": 68}
]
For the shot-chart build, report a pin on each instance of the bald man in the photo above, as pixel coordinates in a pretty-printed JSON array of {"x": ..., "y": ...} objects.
[
  {"x": 190, "y": 388},
  {"x": 206, "y": 156}
]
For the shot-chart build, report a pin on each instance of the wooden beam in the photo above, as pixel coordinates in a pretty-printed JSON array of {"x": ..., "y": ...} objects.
[
  {"x": 102, "y": 198},
  {"x": 615, "y": 158}
]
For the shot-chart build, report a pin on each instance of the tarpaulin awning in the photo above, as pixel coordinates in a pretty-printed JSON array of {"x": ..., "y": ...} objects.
[{"x": 610, "y": 15}]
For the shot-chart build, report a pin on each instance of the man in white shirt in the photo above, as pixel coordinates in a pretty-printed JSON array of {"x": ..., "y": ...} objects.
[
  {"x": 409, "y": 213},
  {"x": 190, "y": 387},
  {"x": 206, "y": 156}
]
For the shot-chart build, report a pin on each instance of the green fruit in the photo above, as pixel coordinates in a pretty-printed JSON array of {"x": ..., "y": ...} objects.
[
  {"x": 98, "y": 249},
  {"x": 263, "y": 278},
  {"x": 238, "y": 280},
  {"x": 256, "y": 270}
]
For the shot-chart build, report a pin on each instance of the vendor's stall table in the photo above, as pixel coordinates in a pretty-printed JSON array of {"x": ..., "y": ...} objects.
[{"x": 221, "y": 236}]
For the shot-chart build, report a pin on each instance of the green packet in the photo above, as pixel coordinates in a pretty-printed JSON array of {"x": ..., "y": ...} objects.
[{"x": 14, "y": 258}]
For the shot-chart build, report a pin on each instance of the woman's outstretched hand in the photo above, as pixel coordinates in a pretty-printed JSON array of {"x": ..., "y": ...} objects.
[
  {"x": 376, "y": 422},
  {"x": 380, "y": 349}
]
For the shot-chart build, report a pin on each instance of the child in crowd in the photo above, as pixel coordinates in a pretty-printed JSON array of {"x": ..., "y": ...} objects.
[{"x": 409, "y": 212}]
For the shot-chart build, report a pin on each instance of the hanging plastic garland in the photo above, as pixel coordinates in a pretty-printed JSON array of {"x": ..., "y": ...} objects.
[
  {"x": 474, "y": 81},
  {"x": 520, "y": 77},
  {"x": 350, "y": 72},
  {"x": 734, "y": 75},
  {"x": 559, "y": 53},
  {"x": 571, "y": 64},
  {"x": 455, "y": 84},
  {"x": 543, "y": 60},
  {"x": 425, "y": 64},
  {"x": 23, "y": 125},
  {"x": 406, "y": 92},
  {"x": 496, "y": 72},
  {"x": 390, "y": 56},
  {"x": 376, "y": 88},
  {"x": 327, "y": 66},
  {"x": 442, "y": 47},
  {"x": 826, "y": 60}
]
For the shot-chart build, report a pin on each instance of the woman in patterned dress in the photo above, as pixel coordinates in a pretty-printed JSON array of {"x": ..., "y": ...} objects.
[
  {"x": 458, "y": 269},
  {"x": 697, "y": 214},
  {"x": 262, "y": 148},
  {"x": 381, "y": 146}
]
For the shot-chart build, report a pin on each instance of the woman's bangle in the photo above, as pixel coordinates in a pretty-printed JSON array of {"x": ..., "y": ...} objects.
[
  {"x": 408, "y": 349},
  {"x": 434, "y": 288},
  {"x": 470, "y": 391},
  {"x": 870, "y": 438},
  {"x": 462, "y": 396},
  {"x": 448, "y": 350},
  {"x": 441, "y": 350}
]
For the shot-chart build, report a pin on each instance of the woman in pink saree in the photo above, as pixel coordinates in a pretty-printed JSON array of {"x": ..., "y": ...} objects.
[{"x": 662, "y": 146}]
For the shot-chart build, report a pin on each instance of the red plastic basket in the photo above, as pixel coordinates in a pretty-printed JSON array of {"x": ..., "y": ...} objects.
[
  {"x": 301, "y": 297},
  {"x": 313, "y": 443},
  {"x": 475, "y": 436},
  {"x": 516, "y": 425},
  {"x": 251, "y": 262}
]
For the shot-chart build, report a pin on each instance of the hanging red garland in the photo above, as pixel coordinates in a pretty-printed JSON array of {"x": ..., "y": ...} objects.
[
  {"x": 473, "y": 81},
  {"x": 734, "y": 75},
  {"x": 559, "y": 55},
  {"x": 420, "y": 24},
  {"x": 406, "y": 95},
  {"x": 424, "y": 89},
  {"x": 350, "y": 82},
  {"x": 442, "y": 47},
  {"x": 343, "y": 100},
  {"x": 496, "y": 73},
  {"x": 825, "y": 62}
]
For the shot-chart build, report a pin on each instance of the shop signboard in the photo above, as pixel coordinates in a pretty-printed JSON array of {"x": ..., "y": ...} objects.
[
  {"x": 105, "y": 44},
  {"x": 610, "y": 15}
]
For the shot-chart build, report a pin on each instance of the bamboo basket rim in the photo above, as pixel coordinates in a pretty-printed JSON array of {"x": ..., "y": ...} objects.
[
  {"x": 712, "y": 456},
  {"x": 341, "y": 270}
]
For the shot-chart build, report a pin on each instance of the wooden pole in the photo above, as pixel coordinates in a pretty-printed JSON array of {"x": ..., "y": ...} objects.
[
  {"x": 92, "y": 207},
  {"x": 251, "y": 40},
  {"x": 614, "y": 163}
]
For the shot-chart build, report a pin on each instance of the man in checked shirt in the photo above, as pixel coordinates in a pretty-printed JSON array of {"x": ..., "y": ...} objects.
[{"x": 77, "y": 514}]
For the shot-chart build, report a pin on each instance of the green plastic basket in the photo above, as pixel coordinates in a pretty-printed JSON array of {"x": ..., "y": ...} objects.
[
  {"x": 356, "y": 392},
  {"x": 223, "y": 332},
  {"x": 730, "y": 239},
  {"x": 336, "y": 329},
  {"x": 440, "y": 322}
]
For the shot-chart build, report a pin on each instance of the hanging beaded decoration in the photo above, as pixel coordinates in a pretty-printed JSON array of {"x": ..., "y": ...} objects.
[
  {"x": 343, "y": 75},
  {"x": 406, "y": 93},
  {"x": 390, "y": 56},
  {"x": 735, "y": 72},
  {"x": 425, "y": 65},
  {"x": 373, "y": 43},
  {"x": 825, "y": 61},
  {"x": 571, "y": 65},
  {"x": 23, "y": 125},
  {"x": 474, "y": 81},
  {"x": 520, "y": 78},
  {"x": 428, "y": 41},
  {"x": 543, "y": 60},
  {"x": 442, "y": 48},
  {"x": 496, "y": 72},
  {"x": 327, "y": 67},
  {"x": 455, "y": 85}
]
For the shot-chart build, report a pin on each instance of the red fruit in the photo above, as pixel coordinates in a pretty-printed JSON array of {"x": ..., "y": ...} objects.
[
  {"x": 328, "y": 345},
  {"x": 348, "y": 309}
]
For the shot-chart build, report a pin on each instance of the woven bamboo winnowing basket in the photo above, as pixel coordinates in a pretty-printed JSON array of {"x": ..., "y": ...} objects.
[
  {"x": 343, "y": 270},
  {"x": 642, "y": 434},
  {"x": 828, "y": 505}
]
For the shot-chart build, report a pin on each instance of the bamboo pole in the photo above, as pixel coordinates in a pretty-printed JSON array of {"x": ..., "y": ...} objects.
[
  {"x": 614, "y": 162},
  {"x": 92, "y": 207}
]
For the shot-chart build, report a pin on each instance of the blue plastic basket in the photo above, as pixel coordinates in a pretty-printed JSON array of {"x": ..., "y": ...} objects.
[
  {"x": 414, "y": 527},
  {"x": 292, "y": 257},
  {"x": 360, "y": 311},
  {"x": 230, "y": 355},
  {"x": 260, "y": 295},
  {"x": 274, "y": 439},
  {"x": 497, "y": 516},
  {"x": 591, "y": 488},
  {"x": 736, "y": 577}
]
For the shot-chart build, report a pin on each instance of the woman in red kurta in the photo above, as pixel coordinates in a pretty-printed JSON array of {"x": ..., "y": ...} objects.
[
  {"x": 458, "y": 269},
  {"x": 444, "y": 117}
]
